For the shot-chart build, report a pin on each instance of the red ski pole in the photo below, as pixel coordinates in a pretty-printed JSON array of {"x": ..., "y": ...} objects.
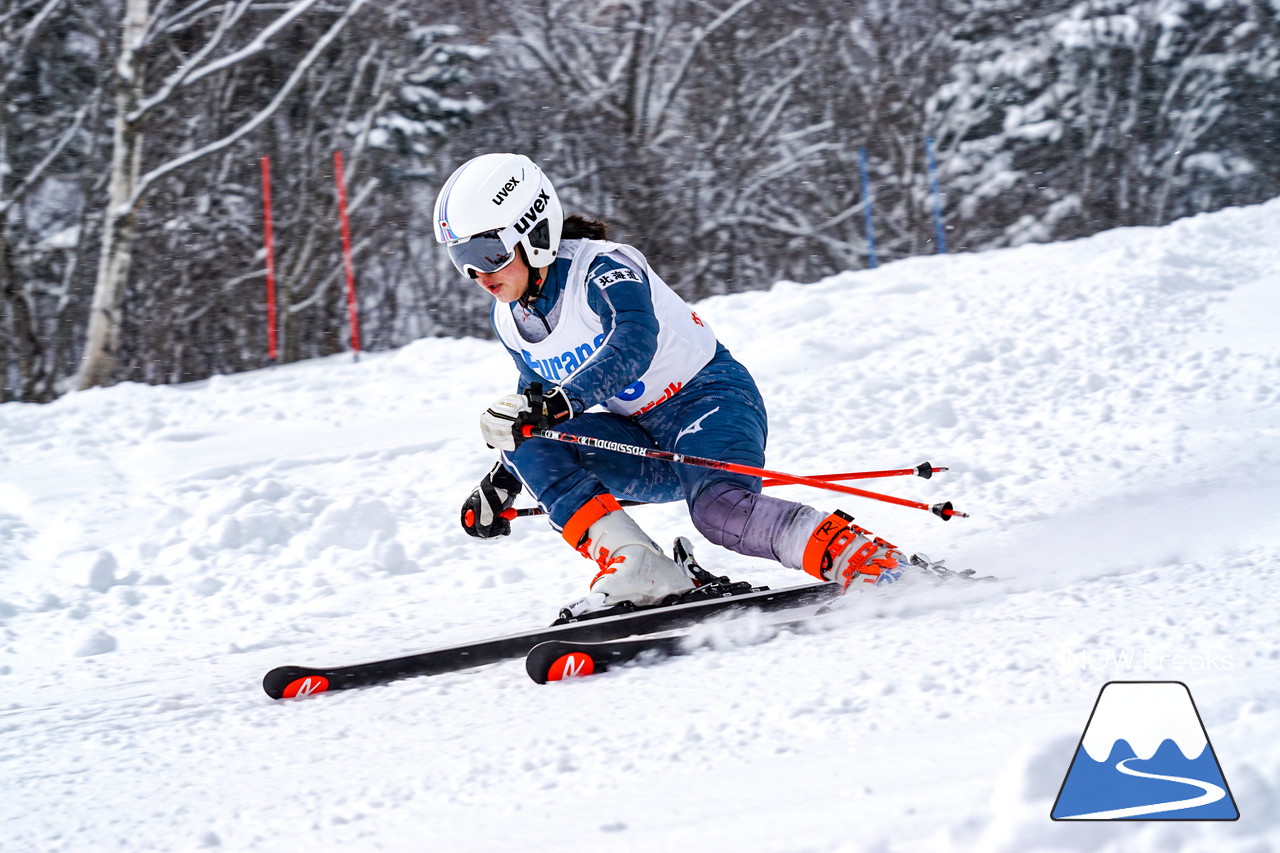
[
  {"x": 942, "y": 510},
  {"x": 924, "y": 469}
]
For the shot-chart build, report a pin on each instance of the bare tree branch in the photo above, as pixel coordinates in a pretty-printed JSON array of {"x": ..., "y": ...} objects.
[
  {"x": 146, "y": 181},
  {"x": 192, "y": 71},
  {"x": 36, "y": 174}
]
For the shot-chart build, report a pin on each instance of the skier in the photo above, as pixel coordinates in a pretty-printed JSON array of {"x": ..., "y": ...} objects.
[{"x": 589, "y": 323}]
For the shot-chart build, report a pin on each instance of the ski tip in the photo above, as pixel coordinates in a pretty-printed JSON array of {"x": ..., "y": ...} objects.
[
  {"x": 291, "y": 682},
  {"x": 550, "y": 662},
  {"x": 571, "y": 665},
  {"x": 306, "y": 686}
]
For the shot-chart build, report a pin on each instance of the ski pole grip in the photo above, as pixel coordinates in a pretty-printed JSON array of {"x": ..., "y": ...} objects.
[{"x": 470, "y": 517}]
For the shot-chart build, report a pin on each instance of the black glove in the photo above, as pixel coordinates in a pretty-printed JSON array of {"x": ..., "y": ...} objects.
[
  {"x": 503, "y": 423},
  {"x": 482, "y": 511}
]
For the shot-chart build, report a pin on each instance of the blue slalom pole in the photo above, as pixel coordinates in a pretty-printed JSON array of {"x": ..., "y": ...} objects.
[
  {"x": 937, "y": 202},
  {"x": 866, "y": 209}
]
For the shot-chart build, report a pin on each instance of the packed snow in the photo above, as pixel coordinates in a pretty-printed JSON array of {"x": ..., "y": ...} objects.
[{"x": 1109, "y": 409}]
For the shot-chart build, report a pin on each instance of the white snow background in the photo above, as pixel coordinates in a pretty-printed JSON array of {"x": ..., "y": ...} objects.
[{"x": 1109, "y": 409}]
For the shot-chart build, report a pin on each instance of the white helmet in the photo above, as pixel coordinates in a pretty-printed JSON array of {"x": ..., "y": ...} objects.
[{"x": 493, "y": 203}]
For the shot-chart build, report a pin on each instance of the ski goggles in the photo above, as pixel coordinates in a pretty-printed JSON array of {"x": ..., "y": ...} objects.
[{"x": 483, "y": 253}]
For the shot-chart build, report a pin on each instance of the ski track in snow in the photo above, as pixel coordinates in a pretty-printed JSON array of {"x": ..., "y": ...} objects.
[{"x": 1110, "y": 412}]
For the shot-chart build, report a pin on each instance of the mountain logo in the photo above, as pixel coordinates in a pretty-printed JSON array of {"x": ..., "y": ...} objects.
[{"x": 1144, "y": 755}]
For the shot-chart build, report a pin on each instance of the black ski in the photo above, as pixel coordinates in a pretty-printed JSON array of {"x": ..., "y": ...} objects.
[
  {"x": 556, "y": 660},
  {"x": 290, "y": 681}
]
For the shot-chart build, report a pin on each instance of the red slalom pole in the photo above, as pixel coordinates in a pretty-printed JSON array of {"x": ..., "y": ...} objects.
[
  {"x": 352, "y": 312},
  {"x": 942, "y": 510},
  {"x": 268, "y": 238}
]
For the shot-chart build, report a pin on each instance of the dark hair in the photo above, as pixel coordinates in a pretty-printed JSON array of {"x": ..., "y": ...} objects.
[{"x": 578, "y": 227}]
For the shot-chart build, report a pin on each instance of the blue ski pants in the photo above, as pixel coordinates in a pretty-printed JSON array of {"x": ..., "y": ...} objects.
[{"x": 719, "y": 414}]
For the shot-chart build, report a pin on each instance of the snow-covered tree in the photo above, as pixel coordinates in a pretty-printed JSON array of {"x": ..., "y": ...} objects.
[
  {"x": 162, "y": 53},
  {"x": 206, "y": 313},
  {"x": 722, "y": 136},
  {"x": 130, "y": 207},
  {"x": 1089, "y": 114},
  {"x": 50, "y": 100}
]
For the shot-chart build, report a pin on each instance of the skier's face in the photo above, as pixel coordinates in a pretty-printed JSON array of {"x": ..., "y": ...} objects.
[{"x": 507, "y": 284}]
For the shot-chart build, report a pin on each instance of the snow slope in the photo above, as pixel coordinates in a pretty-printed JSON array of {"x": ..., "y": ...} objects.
[{"x": 1110, "y": 412}]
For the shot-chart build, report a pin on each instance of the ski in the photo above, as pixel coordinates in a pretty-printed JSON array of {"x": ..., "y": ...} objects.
[
  {"x": 711, "y": 600},
  {"x": 556, "y": 660}
]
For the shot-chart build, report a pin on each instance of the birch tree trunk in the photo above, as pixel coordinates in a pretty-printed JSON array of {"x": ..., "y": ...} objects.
[
  {"x": 127, "y": 186},
  {"x": 97, "y": 365}
]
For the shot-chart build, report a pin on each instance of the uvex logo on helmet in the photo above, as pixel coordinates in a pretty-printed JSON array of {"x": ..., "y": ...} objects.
[
  {"x": 510, "y": 185},
  {"x": 531, "y": 215}
]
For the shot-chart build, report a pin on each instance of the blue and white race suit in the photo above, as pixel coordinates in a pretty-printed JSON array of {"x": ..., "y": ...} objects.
[{"x": 611, "y": 333}]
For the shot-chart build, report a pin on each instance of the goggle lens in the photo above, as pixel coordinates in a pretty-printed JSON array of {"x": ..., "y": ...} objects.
[{"x": 483, "y": 253}]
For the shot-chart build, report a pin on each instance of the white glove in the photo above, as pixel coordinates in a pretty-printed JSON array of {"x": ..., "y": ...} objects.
[
  {"x": 498, "y": 423},
  {"x": 503, "y": 423}
]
